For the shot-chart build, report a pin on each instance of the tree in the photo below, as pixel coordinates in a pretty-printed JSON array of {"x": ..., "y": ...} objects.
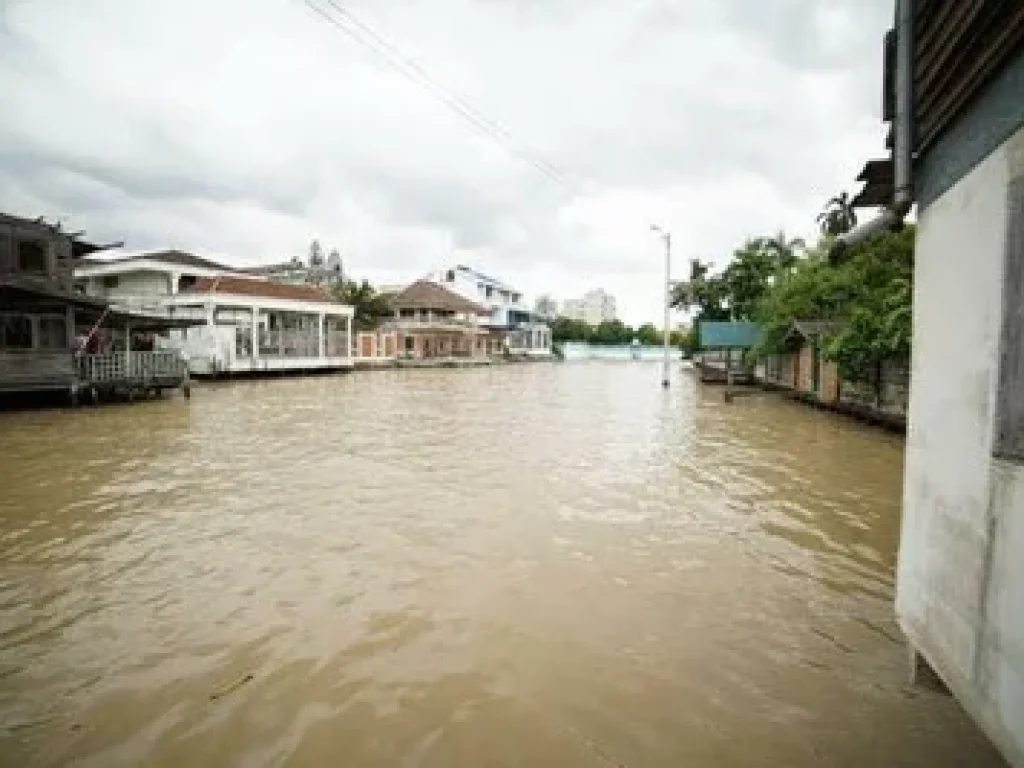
[
  {"x": 703, "y": 293},
  {"x": 370, "y": 307},
  {"x": 838, "y": 216},
  {"x": 868, "y": 296},
  {"x": 648, "y": 335},
  {"x": 785, "y": 250},
  {"x": 564, "y": 329}
]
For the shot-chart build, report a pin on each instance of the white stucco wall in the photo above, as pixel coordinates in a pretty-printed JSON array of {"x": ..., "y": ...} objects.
[
  {"x": 960, "y": 581},
  {"x": 134, "y": 289}
]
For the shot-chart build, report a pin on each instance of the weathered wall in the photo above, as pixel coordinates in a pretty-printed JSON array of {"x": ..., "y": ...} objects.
[
  {"x": 829, "y": 390},
  {"x": 960, "y": 587},
  {"x": 133, "y": 288},
  {"x": 806, "y": 369},
  {"x": 36, "y": 368}
]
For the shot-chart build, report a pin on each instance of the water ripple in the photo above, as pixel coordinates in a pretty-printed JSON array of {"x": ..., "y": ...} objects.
[{"x": 561, "y": 565}]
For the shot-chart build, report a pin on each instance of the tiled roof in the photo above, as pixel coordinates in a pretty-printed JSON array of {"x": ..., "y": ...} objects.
[
  {"x": 244, "y": 286},
  {"x": 425, "y": 294}
]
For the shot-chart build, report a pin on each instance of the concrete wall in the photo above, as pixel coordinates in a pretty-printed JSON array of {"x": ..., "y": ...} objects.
[
  {"x": 960, "y": 585},
  {"x": 135, "y": 289}
]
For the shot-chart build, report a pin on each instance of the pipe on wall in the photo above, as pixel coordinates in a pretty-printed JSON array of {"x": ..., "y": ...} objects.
[{"x": 891, "y": 219}]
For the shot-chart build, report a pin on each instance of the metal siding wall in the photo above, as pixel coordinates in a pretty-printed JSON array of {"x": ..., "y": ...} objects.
[{"x": 995, "y": 115}]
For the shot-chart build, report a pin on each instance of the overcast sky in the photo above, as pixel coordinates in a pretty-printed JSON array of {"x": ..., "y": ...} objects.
[{"x": 241, "y": 129}]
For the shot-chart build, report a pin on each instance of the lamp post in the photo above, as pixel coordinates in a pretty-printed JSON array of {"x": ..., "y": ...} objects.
[{"x": 667, "y": 237}]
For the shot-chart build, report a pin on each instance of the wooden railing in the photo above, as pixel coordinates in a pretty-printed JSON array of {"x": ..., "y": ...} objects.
[{"x": 131, "y": 366}]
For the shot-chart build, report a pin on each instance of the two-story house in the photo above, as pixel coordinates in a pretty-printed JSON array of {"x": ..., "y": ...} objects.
[
  {"x": 50, "y": 333},
  {"x": 513, "y": 326},
  {"x": 245, "y": 323}
]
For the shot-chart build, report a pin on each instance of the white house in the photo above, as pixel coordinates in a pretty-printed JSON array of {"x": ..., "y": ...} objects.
[
  {"x": 523, "y": 331},
  {"x": 252, "y": 324}
]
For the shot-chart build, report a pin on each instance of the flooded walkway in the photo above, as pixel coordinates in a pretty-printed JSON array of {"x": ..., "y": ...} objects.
[{"x": 540, "y": 566}]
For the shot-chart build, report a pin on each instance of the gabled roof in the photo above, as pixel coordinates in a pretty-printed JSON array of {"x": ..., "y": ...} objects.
[
  {"x": 245, "y": 286},
  {"x": 171, "y": 256},
  {"x": 810, "y": 329},
  {"x": 426, "y": 294}
]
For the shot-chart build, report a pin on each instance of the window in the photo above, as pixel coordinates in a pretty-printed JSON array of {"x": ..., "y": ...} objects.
[
  {"x": 1009, "y": 437},
  {"x": 111, "y": 281},
  {"x": 32, "y": 256},
  {"x": 450, "y": 277},
  {"x": 53, "y": 333},
  {"x": 15, "y": 332},
  {"x": 410, "y": 343},
  {"x": 243, "y": 341},
  {"x": 489, "y": 291},
  {"x": 187, "y": 282},
  {"x": 5, "y": 251}
]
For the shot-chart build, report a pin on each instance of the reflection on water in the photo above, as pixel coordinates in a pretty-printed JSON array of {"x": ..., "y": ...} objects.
[{"x": 534, "y": 565}]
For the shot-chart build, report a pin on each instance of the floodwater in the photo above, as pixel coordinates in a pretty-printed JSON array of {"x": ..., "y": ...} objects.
[{"x": 547, "y": 565}]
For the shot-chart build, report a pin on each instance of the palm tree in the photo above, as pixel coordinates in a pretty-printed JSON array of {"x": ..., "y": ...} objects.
[
  {"x": 784, "y": 249},
  {"x": 838, "y": 217}
]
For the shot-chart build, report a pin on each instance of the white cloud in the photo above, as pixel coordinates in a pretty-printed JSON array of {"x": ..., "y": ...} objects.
[{"x": 247, "y": 127}]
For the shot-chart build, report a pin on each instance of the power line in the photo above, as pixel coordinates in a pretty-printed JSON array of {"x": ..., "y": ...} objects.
[{"x": 391, "y": 55}]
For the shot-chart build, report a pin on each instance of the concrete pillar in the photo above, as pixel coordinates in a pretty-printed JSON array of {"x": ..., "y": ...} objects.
[{"x": 255, "y": 332}]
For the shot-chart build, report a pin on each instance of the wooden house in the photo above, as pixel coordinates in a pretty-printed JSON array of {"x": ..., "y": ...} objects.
[{"x": 55, "y": 338}]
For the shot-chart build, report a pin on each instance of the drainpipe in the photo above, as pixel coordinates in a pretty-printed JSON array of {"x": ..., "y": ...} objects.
[{"x": 891, "y": 218}]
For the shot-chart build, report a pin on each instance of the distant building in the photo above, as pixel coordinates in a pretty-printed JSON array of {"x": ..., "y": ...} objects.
[
  {"x": 596, "y": 307},
  {"x": 296, "y": 272},
  {"x": 545, "y": 307}
]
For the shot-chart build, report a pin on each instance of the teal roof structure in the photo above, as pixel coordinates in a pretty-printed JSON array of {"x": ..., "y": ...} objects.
[{"x": 728, "y": 335}]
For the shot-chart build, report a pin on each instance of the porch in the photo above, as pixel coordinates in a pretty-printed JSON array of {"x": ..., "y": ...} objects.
[{"x": 132, "y": 370}]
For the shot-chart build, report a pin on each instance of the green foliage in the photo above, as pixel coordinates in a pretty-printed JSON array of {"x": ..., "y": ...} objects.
[
  {"x": 370, "y": 307},
  {"x": 878, "y": 318},
  {"x": 615, "y": 332},
  {"x": 564, "y": 329},
  {"x": 869, "y": 297}
]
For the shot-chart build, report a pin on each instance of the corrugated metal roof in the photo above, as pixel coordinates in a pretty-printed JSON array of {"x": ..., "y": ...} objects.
[{"x": 728, "y": 335}]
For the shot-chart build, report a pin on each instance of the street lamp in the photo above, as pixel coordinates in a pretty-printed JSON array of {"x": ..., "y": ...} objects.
[{"x": 667, "y": 237}]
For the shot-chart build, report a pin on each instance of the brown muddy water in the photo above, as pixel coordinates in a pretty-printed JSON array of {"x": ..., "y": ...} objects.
[{"x": 527, "y": 566}]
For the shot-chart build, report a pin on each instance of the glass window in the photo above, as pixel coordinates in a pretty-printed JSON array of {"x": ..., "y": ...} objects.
[
  {"x": 110, "y": 281},
  {"x": 15, "y": 332},
  {"x": 53, "y": 333},
  {"x": 32, "y": 256}
]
